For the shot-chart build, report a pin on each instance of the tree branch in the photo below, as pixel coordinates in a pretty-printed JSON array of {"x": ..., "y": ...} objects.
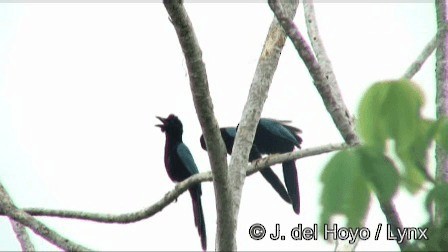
[
  {"x": 274, "y": 159},
  {"x": 204, "y": 110},
  {"x": 442, "y": 82},
  {"x": 346, "y": 123},
  {"x": 264, "y": 73},
  {"x": 128, "y": 217},
  {"x": 323, "y": 77},
  {"x": 22, "y": 236},
  {"x": 441, "y": 92},
  {"x": 424, "y": 55},
  {"x": 393, "y": 219},
  {"x": 7, "y": 206},
  {"x": 181, "y": 188}
]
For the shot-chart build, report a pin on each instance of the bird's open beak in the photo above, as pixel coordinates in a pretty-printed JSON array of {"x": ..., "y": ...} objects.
[{"x": 163, "y": 120}]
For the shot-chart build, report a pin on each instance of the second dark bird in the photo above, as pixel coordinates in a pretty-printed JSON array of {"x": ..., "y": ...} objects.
[
  {"x": 275, "y": 136},
  {"x": 228, "y": 135},
  {"x": 272, "y": 136},
  {"x": 180, "y": 165}
]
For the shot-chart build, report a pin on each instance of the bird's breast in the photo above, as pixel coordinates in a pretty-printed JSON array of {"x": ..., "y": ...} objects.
[{"x": 168, "y": 160}]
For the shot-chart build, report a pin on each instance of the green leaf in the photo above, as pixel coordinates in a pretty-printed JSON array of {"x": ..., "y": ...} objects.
[
  {"x": 437, "y": 239},
  {"x": 345, "y": 189},
  {"x": 380, "y": 172},
  {"x": 426, "y": 134},
  {"x": 390, "y": 110},
  {"x": 439, "y": 196},
  {"x": 437, "y": 229},
  {"x": 402, "y": 110},
  {"x": 370, "y": 126},
  {"x": 414, "y": 155},
  {"x": 413, "y": 178}
]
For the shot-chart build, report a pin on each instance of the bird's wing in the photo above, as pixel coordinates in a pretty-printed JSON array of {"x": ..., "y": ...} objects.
[
  {"x": 295, "y": 131},
  {"x": 228, "y": 135},
  {"x": 231, "y": 131},
  {"x": 277, "y": 120},
  {"x": 281, "y": 130},
  {"x": 285, "y": 124},
  {"x": 186, "y": 158}
]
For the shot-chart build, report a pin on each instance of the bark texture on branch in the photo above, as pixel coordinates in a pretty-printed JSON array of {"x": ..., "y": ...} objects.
[
  {"x": 441, "y": 82},
  {"x": 421, "y": 59},
  {"x": 393, "y": 219},
  {"x": 441, "y": 92},
  {"x": 325, "y": 81},
  {"x": 22, "y": 236},
  {"x": 9, "y": 209},
  {"x": 322, "y": 75},
  {"x": 264, "y": 73},
  {"x": 204, "y": 109}
]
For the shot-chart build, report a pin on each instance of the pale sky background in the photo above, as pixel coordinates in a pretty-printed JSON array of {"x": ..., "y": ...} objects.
[{"x": 81, "y": 84}]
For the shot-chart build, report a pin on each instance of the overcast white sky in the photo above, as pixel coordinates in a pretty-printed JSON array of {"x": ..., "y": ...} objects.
[{"x": 81, "y": 84}]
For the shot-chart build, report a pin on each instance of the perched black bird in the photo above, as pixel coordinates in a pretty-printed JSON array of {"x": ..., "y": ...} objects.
[
  {"x": 275, "y": 136},
  {"x": 228, "y": 135},
  {"x": 180, "y": 165}
]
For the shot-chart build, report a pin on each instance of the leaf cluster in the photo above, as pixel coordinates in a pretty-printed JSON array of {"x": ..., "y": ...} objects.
[{"x": 396, "y": 140}]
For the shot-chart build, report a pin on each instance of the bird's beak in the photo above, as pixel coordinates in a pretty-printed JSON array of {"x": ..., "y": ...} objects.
[{"x": 163, "y": 120}]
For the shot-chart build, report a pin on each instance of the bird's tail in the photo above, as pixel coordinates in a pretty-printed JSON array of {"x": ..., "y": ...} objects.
[
  {"x": 292, "y": 184},
  {"x": 199, "y": 221},
  {"x": 269, "y": 175},
  {"x": 275, "y": 182}
]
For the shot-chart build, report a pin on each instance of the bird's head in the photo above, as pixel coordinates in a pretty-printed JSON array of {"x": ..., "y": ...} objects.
[
  {"x": 227, "y": 134},
  {"x": 171, "y": 124}
]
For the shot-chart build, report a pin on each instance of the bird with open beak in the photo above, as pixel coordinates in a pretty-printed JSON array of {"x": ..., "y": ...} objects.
[{"x": 180, "y": 165}]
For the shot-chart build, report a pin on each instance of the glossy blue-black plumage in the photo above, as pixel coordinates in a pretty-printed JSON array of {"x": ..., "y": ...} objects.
[
  {"x": 228, "y": 135},
  {"x": 180, "y": 165},
  {"x": 274, "y": 136}
]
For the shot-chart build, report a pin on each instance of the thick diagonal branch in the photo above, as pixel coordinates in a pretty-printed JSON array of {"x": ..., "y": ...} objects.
[
  {"x": 267, "y": 64},
  {"x": 9, "y": 209},
  {"x": 204, "y": 110},
  {"x": 322, "y": 75},
  {"x": 325, "y": 81}
]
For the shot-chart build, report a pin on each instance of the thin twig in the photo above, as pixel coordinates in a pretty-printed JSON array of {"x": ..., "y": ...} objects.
[
  {"x": 421, "y": 59},
  {"x": 181, "y": 188},
  {"x": 9, "y": 209},
  {"x": 316, "y": 41},
  {"x": 346, "y": 123},
  {"x": 22, "y": 236},
  {"x": 127, "y": 217}
]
